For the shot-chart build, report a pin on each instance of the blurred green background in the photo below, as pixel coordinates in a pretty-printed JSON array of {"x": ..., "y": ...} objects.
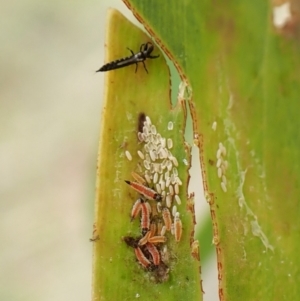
[
  {"x": 51, "y": 101},
  {"x": 50, "y": 117}
]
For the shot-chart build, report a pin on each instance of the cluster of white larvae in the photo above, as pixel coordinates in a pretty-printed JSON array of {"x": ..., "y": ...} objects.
[
  {"x": 159, "y": 163},
  {"x": 222, "y": 166},
  {"x": 158, "y": 184}
]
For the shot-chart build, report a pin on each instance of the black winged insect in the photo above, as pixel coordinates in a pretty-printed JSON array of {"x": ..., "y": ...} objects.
[{"x": 145, "y": 53}]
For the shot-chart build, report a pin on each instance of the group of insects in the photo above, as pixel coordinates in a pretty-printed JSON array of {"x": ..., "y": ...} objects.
[{"x": 157, "y": 184}]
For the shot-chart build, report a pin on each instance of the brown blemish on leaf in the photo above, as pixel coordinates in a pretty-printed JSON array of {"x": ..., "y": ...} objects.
[
  {"x": 211, "y": 162},
  {"x": 95, "y": 235},
  {"x": 195, "y": 250},
  {"x": 141, "y": 120}
]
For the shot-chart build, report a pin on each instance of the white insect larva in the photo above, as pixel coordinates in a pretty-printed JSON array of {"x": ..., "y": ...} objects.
[
  {"x": 155, "y": 178},
  {"x": 158, "y": 189},
  {"x": 168, "y": 200},
  {"x": 220, "y": 145},
  {"x": 174, "y": 210},
  {"x": 162, "y": 184},
  {"x": 164, "y": 153},
  {"x": 139, "y": 167},
  {"x": 160, "y": 170},
  {"x": 146, "y": 130},
  {"x": 148, "y": 179},
  {"x": 223, "y": 169},
  {"x": 163, "y": 142},
  {"x": 160, "y": 154},
  {"x": 140, "y": 136},
  {"x": 141, "y": 155},
  {"x": 168, "y": 181},
  {"x": 128, "y": 155},
  {"x": 170, "y": 125},
  {"x": 158, "y": 206},
  {"x": 171, "y": 190},
  {"x": 161, "y": 178},
  {"x": 224, "y": 151},
  {"x": 172, "y": 179},
  {"x": 223, "y": 186},
  {"x": 163, "y": 164},
  {"x": 145, "y": 137},
  {"x": 178, "y": 181},
  {"x": 153, "y": 129},
  {"x": 146, "y": 164},
  {"x": 151, "y": 145},
  {"x": 219, "y": 162},
  {"x": 170, "y": 143},
  {"x": 225, "y": 164},
  {"x": 167, "y": 175},
  {"x": 219, "y": 172},
  {"x": 152, "y": 155},
  {"x": 214, "y": 125},
  {"x": 148, "y": 158},
  {"x": 146, "y": 148},
  {"x": 164, "y": 254},
  {"x": 163, "y": 230},
  {"x": 185, "y": 162},
  {"x": 156, "y": 140},
  {"x": 219, "y": 151},
  {"x": 176, "y": 188},
  {"x": 169, "y": 165},
  {"x": 177, "y": 199},
  {"x": 148, "y": 120},
  {"x": 157, "y": 167},
  {"x": 224, "y": 180},
  {"x": 175, "y": 171},
  {"x": 163, "y": 194},
  {"x": 152, "y": 170}
]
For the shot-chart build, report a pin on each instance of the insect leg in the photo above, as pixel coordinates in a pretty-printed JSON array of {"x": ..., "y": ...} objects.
[
  {"x": 136, "y": 66},
  {"x": 130, "y": 51},
  {"x": 142, "y": 47},
  {"x": 145, "y": 66},
  {"x": 153, "y": 56}
]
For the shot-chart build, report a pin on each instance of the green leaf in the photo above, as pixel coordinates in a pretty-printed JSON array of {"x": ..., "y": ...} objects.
[
  {"x": 244, "y": 75},
  {"x": 116, "y": 273}
]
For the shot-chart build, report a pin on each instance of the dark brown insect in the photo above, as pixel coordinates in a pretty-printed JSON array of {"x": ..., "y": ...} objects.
[{"x": 140, "y": 57}]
